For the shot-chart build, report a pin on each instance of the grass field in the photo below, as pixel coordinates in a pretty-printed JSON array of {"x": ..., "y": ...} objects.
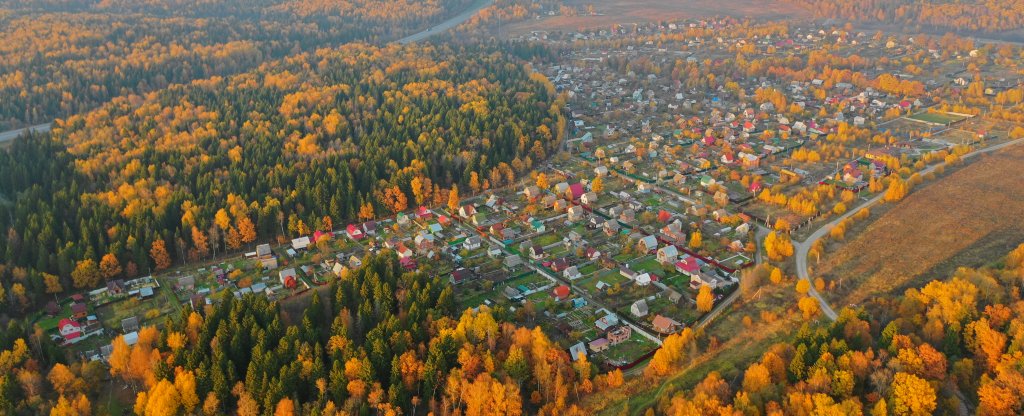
[
  {"x": 969, "y": 218},
  {"x": 643, "y": 11},
  {"x": 937, "y": 118}
]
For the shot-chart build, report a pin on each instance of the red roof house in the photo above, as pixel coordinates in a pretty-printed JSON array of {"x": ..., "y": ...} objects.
[
  {"x": 69, "y": 329},
  {"x": 561, "y": 292}
]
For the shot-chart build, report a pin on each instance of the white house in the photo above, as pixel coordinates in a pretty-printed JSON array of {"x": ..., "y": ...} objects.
[{"x": 639, "y": 308}]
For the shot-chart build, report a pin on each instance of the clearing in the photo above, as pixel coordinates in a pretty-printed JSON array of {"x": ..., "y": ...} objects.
[
  {"x": 969, "y": 218},
  {"x": 609, "y": 12}
]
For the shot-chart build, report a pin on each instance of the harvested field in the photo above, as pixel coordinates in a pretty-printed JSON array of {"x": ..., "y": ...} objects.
[
  {"x": 643, "y": 11},
  {"x": 970, "y": 218}
]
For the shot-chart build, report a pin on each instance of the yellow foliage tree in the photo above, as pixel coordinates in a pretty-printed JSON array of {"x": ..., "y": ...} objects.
[{"x": 705, "y": 299}]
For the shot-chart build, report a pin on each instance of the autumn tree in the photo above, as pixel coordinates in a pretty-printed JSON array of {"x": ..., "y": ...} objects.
[
  {"x": 808, "y": 306},
  {"x": 597, "y": 185},
  {"x": 366, "y": 212},
  {"x": 158, "y": 252},
  {"x": 705, "y": 299},
  {"x": 453, "y": 200},
  {"x": 778, "y": 246},
  {"x": 86, "y": 274},
  {"x": 911, "y": 395},
  {"x": 110, "y": 267},
  {"x": 542, "y": 181},
  {"x": 246, "y": 229},
  {"x": 52, "y": 283},
  {"x": 696, "y": 240},
  {"x": 200, "y": 242}
]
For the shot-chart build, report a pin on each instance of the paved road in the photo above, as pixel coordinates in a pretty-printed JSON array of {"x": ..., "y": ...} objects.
[
  {"x": 13, "y": 134},
  {"x": 802, "y": 248},
  {"x": 447, "y": 24}
]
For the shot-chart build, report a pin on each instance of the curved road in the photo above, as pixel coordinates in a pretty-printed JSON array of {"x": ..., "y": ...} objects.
[
  {"x": 13, "y": 134},
  {"x": 447, "y": 24},
  {"x": 802, "y": 248}
]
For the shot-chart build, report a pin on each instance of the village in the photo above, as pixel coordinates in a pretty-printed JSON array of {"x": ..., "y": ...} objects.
[{"x": 665, "y": 188}]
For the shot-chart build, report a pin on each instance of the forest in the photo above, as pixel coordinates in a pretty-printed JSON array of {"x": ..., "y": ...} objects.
[
  {"x": 68, "y": 57},
  {"x": 380, "y": 342},
  {"x": 320, "y": 138},
  {"x": 989, "y": 16}
]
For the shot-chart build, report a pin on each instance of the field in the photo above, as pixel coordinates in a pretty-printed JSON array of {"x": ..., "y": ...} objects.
[
  {"x": 969, "y": 218},
  {"x": 937, "y": 118},
  {"x": 609, "y": 12}
]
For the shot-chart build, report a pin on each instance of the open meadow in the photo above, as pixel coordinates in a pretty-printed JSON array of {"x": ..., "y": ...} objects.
[{"x": 969, "y": 218}]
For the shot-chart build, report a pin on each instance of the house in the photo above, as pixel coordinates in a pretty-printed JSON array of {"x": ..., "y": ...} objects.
[
  {"x": 467, "y": 211},
  {"x": 288, "y": 277},
  {"x": 339, "y": 269},
  {"x": 79, "y": 311},
  {"x": 572, "y": 273},
  {"x": 146, "y": 293},
  {"x": 408, "y": 263},
  {"x": 263, "y": 251},
  {"x": 688, "y": 265},
  {"x": 606, "y": 322},
  {"x": 598, "y": 345},
  {"x": 197, "y": 302},
  {"x": 559, "y": 265},
  {"x": 69, "y": 329},
  {"x": 589, "y": 198},
  {"x": 578, "y": 351},
  {"x": 611, "y": 227},
  {"x": 619, "y": 335},
  {"x": 402, "y": 218},
  {"x": 424, "y": 241},
  {"x": 601, "y": 171},
  {"x": 674, "y": 231},
  {"x": 130, "y": 324},
  {"x": 648, "y": 243},
  {"x": 537, "y": 225},
  {"x": 300, "y": 243},
  {"x": 639, "y": 308},
  {"x": 703, "y": 279},
  {"x": 548, "y": 201},
  {"x": 116, "y": 287},
  {"x": 513, "y": 261},
  {"x": 354, "y": 232},
  {"x": 269, "y": 263},
  {"x": 561, "y": 292},
  {"x": 536, "y": 252},
  {"x": 423, "y": 212},
  {"x": 461, "y": 275},
  {"x": 183, "y": 283},
  {"x": 532, "y": 192},
  {"x": 579, "y": 303},
  {"x": 720, "y": 215},
  {"x": 575, "y": 213},
  {"x": 575, "y": 191},
  {"x": 627, "y": 216},
  {"x": 665, "y": 325},
  {"x": 512, "y": 294},
  {"x": 497, "y": 229},
  {"x": 668, "y": 254},
  {"x": 627, "y": 273},
  {"x": 370, "y": 228},
  {"x": 592, "y": 253},
  {"x": 472, "y": 243},
  {"x": 645, "y": 279}
]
